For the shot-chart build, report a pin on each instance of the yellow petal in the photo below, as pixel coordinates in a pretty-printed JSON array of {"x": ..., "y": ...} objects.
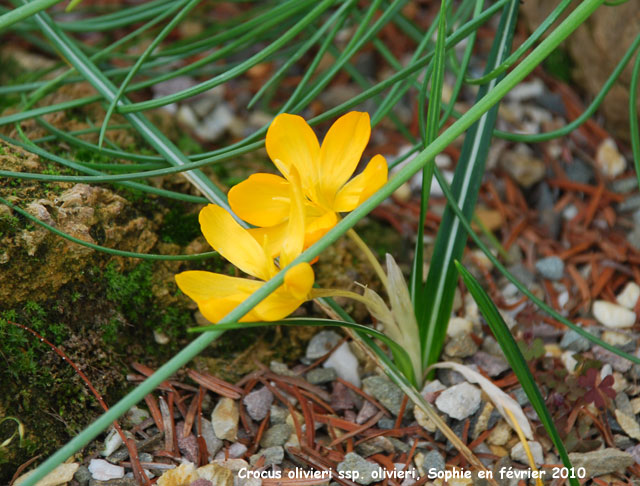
[
  {"x": 294, "y": 239},
  {"x": 360, "y": 188},
  {"x": 299, "y": 280},
  {"x": 271, "y": 238},
  {"x": 341, "y": 151},
  {"x": 261, "y": 200},
  {"x": 317, "y": 226},
  {"x": 234, "y": 242},
  {"x": 201, "y": 285},
  {"x": 288, "y": 297},
  {"x": 290, "y": 142}
]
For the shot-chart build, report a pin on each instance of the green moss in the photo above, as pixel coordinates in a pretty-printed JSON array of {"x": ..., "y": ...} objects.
[{"x": 179, "y": 227}]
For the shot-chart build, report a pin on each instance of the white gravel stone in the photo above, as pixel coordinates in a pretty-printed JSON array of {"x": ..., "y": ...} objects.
[
  {"x": 609, "y": 160},
  {"x": 345, "y": 363},
  {"x": 459, "y": 325},
  {"x": 518, "y": 453},
  {"x": 104, "y": 471},
  {"x": 613, "y": 315},
  {"x": 569, "y": 361},
  {"x": 460, "y": 401},
  {"x": 60, "y": 475},
  {"x": 111, "y": 443},
  {"x": 225, "y": 419},
  {"x": 629, "y": 295}
]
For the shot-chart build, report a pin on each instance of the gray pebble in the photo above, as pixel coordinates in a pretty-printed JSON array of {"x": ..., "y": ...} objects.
[
  {"x": 433, "y": 460},
  {"x": 318, "y": 376},
  {"x": 573, "y": 341},
  {"x": 258, "y": 403},
  {"x": 386, "y": 392},
  {"x": 276, "y": 436},
  {"x": 551, "y": 268},
  {"x": 272, "y": 456},
  {"x": 354, "y": 464},
  {"x": 321, "y": 344}
]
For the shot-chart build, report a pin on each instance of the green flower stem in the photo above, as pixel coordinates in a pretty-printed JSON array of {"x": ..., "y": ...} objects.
[
  {"x": 579, "y": 15},
  {"x": 21, "y": 13},
  {"x": 371, "y": 258}
]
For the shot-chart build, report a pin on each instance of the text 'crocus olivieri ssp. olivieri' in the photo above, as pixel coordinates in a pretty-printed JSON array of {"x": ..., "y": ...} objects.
[
  {"x": 263, "y": 199},
  {"x": 217, "y": 294}
]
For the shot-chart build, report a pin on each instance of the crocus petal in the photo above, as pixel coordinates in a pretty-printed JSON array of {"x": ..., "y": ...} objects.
[
  {"x": 299, "y": 280},
  {"x": 271, "y": 238},
  {"x": 216, "y": 294},
  {"x": 360, "y": 188},
  {"x": 261, "y": 200},
  {"x": 234, "y": 242},
  {"x": 288, "y": 297},
  {"x": 294, "y": 240},
  {"x": 340, "y": 153},
  {"x": 317, "y": 226},
  {"x": 290, "y": 142},
  {"x": 201, "y": 285}
]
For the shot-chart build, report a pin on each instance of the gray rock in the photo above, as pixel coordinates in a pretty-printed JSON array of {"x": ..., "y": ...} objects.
[
  {"x": 375, "y": 446},
  {"x": 522, "y": 273},
  {"x": 386, "y": 423},
  {"x": 280, "y": 369},
  {"x": 617, "y": 363},
  {"x": 492, "y": 365},
  {"x": 625, "y": 185},
  {"x": 278, "y": 415},
  {"x": 518, "y": 453},
  {"x": 633, "y": 237},
  {"x": 213, "y": 443},
  {"x": 82, "y": 475},
  {"x": 578, "y": 171},
  {"x": 276, "y": 436},
  {"x": 321, "y": 344},
  {"x": 635, "y": 453},
  {"x": 433, "y": 460},
  {"x": 623, "y": 404},
  {"x": 521, "y": 397},
  {"x": 258, "y": 403},
  {"x": 272, "y": 456},
  {"x": 604, "y": 461},
  {"x": 362, "y": 471},
  {"x": 551, "y": 268},
  {"x": 385, "y": 391},
  {"x": 631, "y": 203},
  {"x": 461, "y": 346},
  {"x": 544, "y": 197},
  {"x": 235, "y": 451},
  {"x": 574, "y": 342},
  {"x": 114, "y": 482},
  {"x": 459, "y": 401},
  {"x": 318, "y": 376}
]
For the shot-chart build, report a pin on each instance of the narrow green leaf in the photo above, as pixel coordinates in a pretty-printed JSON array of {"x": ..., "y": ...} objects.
[
  {"x": 24, "y": 11},
  {"x": 428, "y": 132},
  {"x": 516, "y": 360},
  {"x": 439, "y": 290}
]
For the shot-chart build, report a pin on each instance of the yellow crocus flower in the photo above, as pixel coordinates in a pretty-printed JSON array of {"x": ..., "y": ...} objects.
[
  {"x": 324, "y": 171},
  {"x": 217, "y": 294}
]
